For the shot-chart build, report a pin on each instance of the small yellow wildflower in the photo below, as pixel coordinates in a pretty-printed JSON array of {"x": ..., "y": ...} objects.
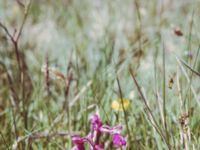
[{"x": 117, "y": 104}]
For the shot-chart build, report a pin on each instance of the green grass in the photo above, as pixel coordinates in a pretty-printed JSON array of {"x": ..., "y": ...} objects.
[{"x": 97, "y": 43}]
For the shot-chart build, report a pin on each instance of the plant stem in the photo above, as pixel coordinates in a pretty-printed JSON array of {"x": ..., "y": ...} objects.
[{"x": 124, "y": 111}]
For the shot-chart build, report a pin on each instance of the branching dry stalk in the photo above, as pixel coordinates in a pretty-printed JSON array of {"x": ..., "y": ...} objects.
[
  {"x": 15, "y": 37},
  {"x": 23, "y": 81},
  {"x": 15, "y": 44}
]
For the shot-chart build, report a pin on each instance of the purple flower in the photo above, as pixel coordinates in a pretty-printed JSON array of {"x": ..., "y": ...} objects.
[
  {"x": 76, "y": 139},
  {"x": 79, "y": 142},
  {"x": 97, "y": 147},
  {"x": 94, "y": 137},
  {"x": 96, "y": 122},
  {"x": 78, "y": 147},
  {"x": 111, "y": 130},
  {"x": 118, "y": 140}
]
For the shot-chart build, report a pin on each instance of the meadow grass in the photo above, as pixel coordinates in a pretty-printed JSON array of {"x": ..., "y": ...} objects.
[{"x": 63, "y": 61}]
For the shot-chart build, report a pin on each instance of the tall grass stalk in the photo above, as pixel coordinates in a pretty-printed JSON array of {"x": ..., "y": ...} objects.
[
  {"x": 149, "y": 112},
  {"x": 124, "y": 111},
  {"x": 164, "y": 96}
]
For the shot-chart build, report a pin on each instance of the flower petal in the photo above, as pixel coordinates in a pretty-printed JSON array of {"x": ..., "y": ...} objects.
[
  {"x": 76, "y": 139},
  {"x": 118, "y": 140},
  {"x": 111, "y": 130},
  {"x": 119, "y": 104},
  {"x": 96, "y": 122},
  {"x": 78, "y": 147}
]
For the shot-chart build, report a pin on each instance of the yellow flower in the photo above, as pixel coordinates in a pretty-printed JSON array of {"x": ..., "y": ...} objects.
[{"x": 117, "y": 104}]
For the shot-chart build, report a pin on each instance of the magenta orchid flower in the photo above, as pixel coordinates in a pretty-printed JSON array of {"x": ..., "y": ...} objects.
[
  {"x": 96, "y": 122},
  {"x": 93, "y": 138},
  {"x": 118, "y": 140},
  {"x": 79, "y": 141}
]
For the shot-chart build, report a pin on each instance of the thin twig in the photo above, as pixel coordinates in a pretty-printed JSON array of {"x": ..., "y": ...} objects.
[
  {"x": 15, "y": 44},
  {"x": 27, "y": 8},
  {"x": 137, "y": 6},
  {"x": 164, "y": 95},
  {"x": 195, "y": 72},
  {"x": 47, "y": 73},
  {"x": 20, "y": 3},
  {"x": 188, "y": 80},
  {"x": 155, "y": 125},
  {"x": 124, "y": 111},
  {"x": 7, "y": 32},
  {"x": 14, "y": 39},
  {"x": 179, "y": 89},
  {"x": 191, "y": 75}
]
